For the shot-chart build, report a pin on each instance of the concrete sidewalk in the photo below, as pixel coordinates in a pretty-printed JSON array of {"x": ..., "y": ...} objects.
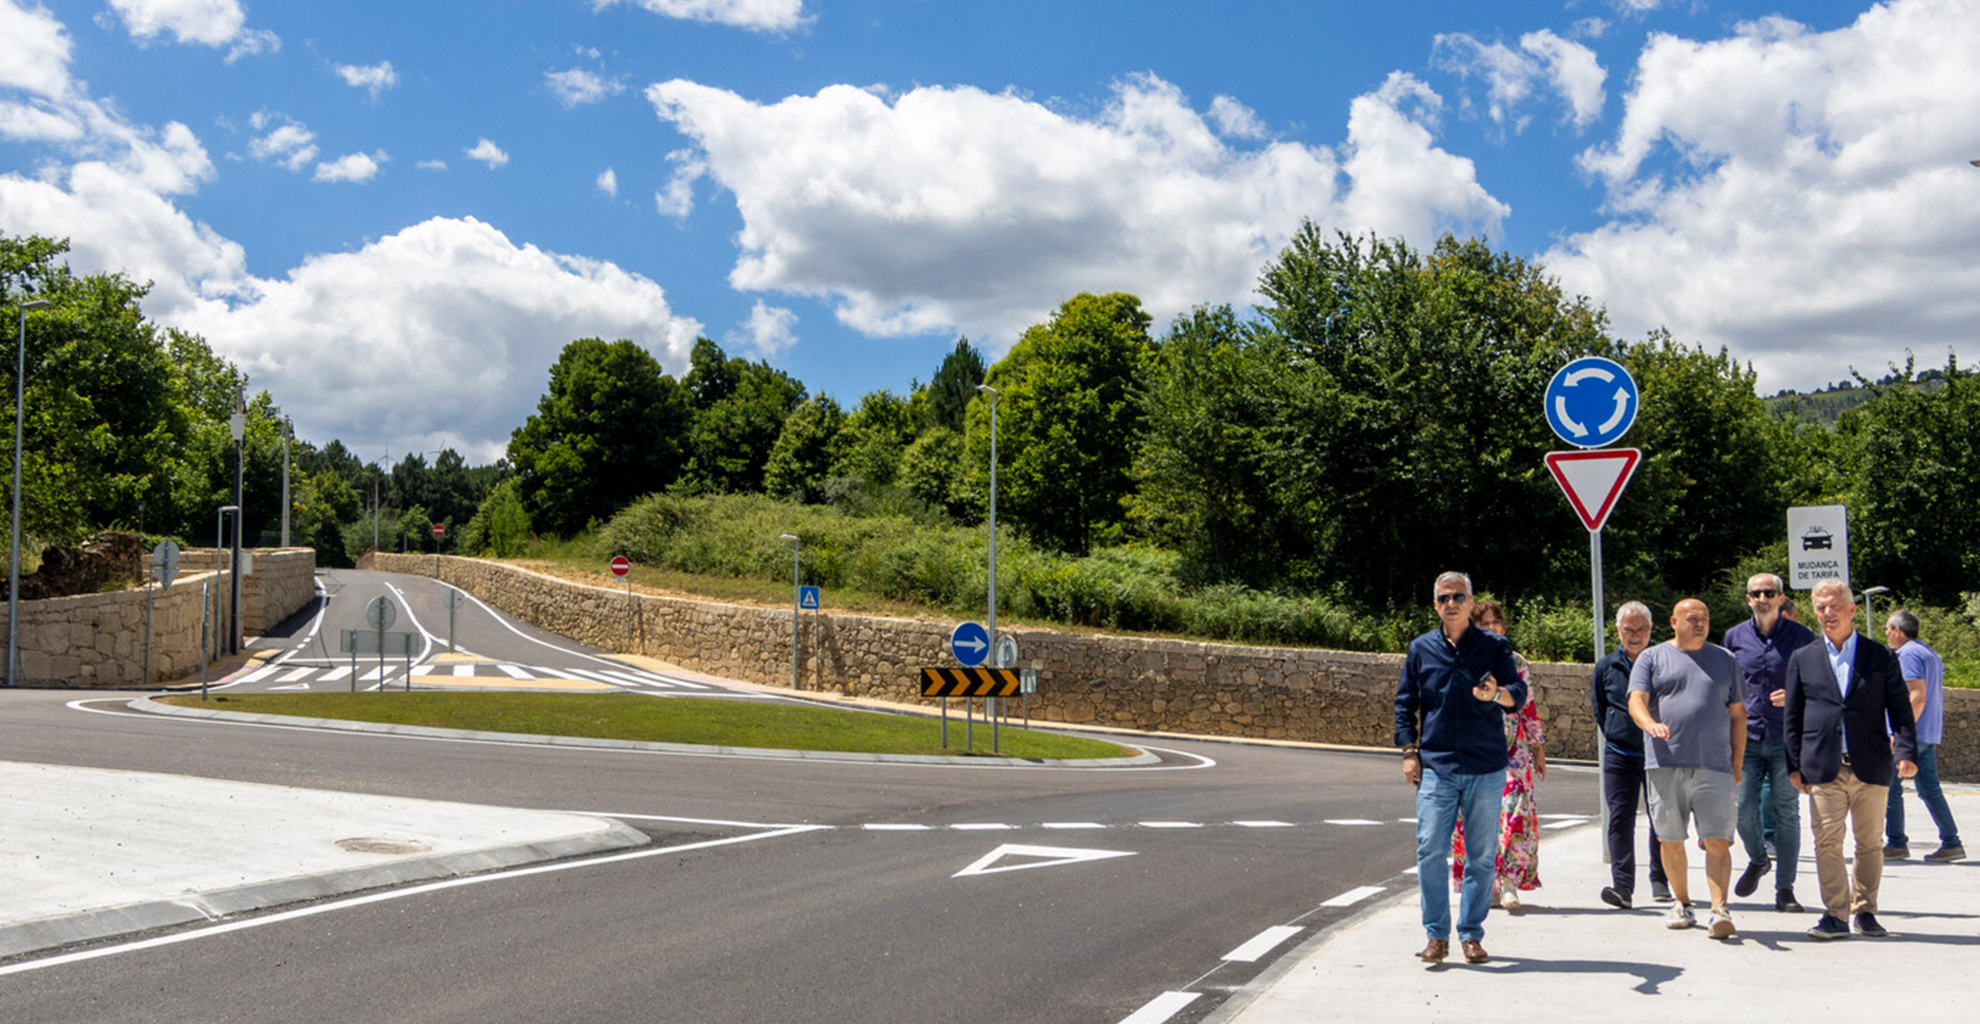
[
  {"x": 89, "y": 853},
  {"x": 1568, "y": 957}
]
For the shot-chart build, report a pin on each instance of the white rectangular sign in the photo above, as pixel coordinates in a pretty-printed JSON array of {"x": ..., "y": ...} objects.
[{"x": 1818, "y": 544}]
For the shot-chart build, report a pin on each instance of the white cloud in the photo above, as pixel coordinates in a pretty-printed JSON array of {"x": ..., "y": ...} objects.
[
  {"x": 952, "y": 208},
  {"x": 608, "y": 182},
  {"x": 431, "y": 165},
  {"x": 756, "y": 15},
  {"x": 373, "y": 78},
  {"x": 1511, "y": 76},
  {"x": 354, "y": 167},
  {"x": 578, "y": 86},
  {"x": 214, "y": 23},
  {"x": 439, "y": 335},
  {"x": 677, "y": 199},
  {"x": 1801, "y": 197},
  {"x": 1235, "y": 120},
  {"x": 289, "y": 144},
  {"x": 767, "y": 332},
  {"x": 34, "y": 51},
  {"x": 488, "y": 153}
]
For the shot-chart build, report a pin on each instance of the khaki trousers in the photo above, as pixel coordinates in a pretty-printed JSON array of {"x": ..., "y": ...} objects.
[{"x": 1860, "y": 805}]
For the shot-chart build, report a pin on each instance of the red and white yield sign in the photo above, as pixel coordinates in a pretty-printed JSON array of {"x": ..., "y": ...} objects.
[
  {"x": 621, "y": 565},
  {"x": 1593, "y": 480}
]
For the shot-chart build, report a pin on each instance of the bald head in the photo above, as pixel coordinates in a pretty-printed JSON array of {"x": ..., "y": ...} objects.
[{"x": 1691, "y": 622}]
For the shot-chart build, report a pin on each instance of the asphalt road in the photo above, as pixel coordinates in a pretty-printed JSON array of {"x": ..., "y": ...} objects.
[{"x": 966, "y": 894}]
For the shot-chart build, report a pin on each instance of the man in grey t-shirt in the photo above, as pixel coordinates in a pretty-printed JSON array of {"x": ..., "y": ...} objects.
[{"x": 1687, "y": 697}]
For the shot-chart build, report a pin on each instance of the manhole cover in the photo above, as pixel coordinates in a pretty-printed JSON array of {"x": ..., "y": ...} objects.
[{"x": 367, "y": 845}]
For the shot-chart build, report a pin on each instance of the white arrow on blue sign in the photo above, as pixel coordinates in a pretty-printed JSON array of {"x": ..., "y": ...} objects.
[
  {"x": 808, "y": 598},
  {"x": 1591, "y": 402},
  {"x": 970, "y": 643}
]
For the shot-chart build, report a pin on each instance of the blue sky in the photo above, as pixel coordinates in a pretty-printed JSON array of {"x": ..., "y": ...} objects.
[{"x": 394, "y": 216}]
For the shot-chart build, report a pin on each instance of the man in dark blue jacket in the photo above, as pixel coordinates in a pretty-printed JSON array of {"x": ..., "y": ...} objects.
[
  {"x": 1622, "y": 761},
  {"x": 1458, "y": 684}
]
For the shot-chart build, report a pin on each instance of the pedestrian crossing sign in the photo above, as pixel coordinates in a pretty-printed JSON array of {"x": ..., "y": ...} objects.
[{"x": 808, "y": 598}]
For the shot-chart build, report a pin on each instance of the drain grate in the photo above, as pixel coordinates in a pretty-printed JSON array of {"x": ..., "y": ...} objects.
[{"x": 373, "y": 845}]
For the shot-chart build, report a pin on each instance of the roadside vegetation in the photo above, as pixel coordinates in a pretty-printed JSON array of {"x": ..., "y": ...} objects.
[
  {"x": 623, "y": 716},
  {"x": 1293, "y": 474}
]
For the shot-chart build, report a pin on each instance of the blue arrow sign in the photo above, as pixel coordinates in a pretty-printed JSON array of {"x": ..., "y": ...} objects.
[
  {"x": 970, "y": 643},
  {"x": 1591, "y": 402},
  {"x": 808, "y": 598}
]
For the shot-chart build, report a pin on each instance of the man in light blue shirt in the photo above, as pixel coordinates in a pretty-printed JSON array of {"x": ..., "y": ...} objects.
[{"x": 1924, "y": 676}]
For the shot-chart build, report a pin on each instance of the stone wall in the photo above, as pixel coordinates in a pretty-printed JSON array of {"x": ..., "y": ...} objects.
[
  {"x": 98, "y": 640},
  {"x": 1131, "y": 682}
]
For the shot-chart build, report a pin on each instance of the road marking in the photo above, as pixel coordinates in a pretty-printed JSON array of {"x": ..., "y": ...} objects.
[
  {"x": 1161, "y": 1008},
  {"x": 888, "y": 827},
  {"x": 1353, "y": 896},
  {"x": 1051, "y": 857},
  {"x": 1262, "y": 943},
  {"x": 981, "y": 826},
  {"x": 1263, "y": 824},
  {"x": 1565, "y": 824},
  {"x": 463, "y": 670},
  {"x": 335, "y": 674},
  {"x": 1169, "y": 824},
  {"x": 290, "y": 686},
  {"x": 514, "y": 672},
  {"x": 1071, "y": 824},
  {"x": 296, "y": 675},
  {"x": 1351, "y": 821},
  {"x": 259, "y": 674}
]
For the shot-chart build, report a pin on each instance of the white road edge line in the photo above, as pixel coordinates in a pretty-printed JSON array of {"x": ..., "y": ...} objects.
[
  {"x": 416, "y": 890},
  {"x": 1161, "y": 1008},
  {"x": 1262, "y": 943},
  {"x": 1353, "y": 896}
]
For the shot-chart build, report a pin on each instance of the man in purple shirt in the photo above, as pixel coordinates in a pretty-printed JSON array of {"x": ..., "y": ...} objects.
[{"x": 1762, "y": 644}]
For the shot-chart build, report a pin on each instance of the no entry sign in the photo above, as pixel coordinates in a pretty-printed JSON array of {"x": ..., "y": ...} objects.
[{"x": 621, "y": 565}]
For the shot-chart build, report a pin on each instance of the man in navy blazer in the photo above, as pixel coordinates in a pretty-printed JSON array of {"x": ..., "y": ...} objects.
[{"x": 1848, "y": 716}]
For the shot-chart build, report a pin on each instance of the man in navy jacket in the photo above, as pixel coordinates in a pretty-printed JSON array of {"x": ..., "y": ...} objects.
[
  {"x": 1848, "y": 716},
  {"x": 1457, "y": 686}
]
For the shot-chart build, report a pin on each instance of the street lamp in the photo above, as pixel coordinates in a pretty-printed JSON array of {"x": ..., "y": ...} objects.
[
  {"x": 14, "y": 545},
  {"x": 288, "y": 431},
  {"x": 994, "y": 395},
  {"x": 374, "y": 510},
  {"x": 796, "y": 546},
  {"x": 1869, "y": 615}
]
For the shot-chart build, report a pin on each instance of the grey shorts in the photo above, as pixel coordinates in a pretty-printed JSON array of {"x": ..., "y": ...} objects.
[{"x": 1681, "y": 795}]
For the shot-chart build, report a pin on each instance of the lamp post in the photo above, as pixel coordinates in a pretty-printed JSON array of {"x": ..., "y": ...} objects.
[
  {"x": 374, "y": 509},
  {"x": 239, "y": 429},
  {"x": 796, "y": 546},
  {"x": 1869, "y": 614},
  {"x": 992, "y": 624},
  {"x": 288, "y": 431},
  {"x": 14, "y": 545}
]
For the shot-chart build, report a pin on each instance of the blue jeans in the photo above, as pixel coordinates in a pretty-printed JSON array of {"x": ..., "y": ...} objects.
[
  {"x": 1441, "y": 802},
  {"x": 1927, "y": 780},
  {"x": 1766, "y": 761}
]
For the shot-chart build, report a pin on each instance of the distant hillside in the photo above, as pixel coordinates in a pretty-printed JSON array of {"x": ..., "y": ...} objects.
[{"x": 1828, "y": 405}]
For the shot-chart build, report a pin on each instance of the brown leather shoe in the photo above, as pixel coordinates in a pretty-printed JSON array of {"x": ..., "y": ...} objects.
[
  {"x": 1474, "y": 952},
  {"x": 1435, "y": 952}
]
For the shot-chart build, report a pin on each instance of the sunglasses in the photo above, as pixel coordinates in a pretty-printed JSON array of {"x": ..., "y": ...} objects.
[
  {"x": 1453, "y": 598},
  {"x": 1762, "y": 592}
]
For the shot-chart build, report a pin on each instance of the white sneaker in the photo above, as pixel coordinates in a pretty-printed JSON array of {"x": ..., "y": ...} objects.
[
  {"x": 1721, "y": 926},
  {"x": 1510, "y": 900},
  {"x": 1680, "y": 917}
]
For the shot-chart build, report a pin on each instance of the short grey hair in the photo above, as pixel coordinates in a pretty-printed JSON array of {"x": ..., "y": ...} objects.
[
  {"x": 1634, "y": 608},
  {"x": 1906, "y": 623},
  {"x": 1831, "y": 583},
  {"x": 1451, "y": 577},
  {"x": 1780, "y": 585}
]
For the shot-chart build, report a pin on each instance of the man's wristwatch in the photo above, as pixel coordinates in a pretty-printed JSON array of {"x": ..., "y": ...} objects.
[{"x": 1410, "y": 751}]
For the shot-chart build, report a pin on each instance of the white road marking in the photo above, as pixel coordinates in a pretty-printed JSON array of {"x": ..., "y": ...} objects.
[
  {"x": 1161, "y": 1008},
  {"x": 259, "y": 674},
  {"x": 1071, "y": 824},
  {"x": 1263, "y": 824},
  {"x": 1565, "y": 824},
  {"x": 296, "y": 675},
  {"x": 1050, "y": 857},
  {"x": 463, "y": 670},
  {"x": 888, "y": 827},
  {"x": 1169, "y": 824},
  {"x": 514, "y": 672},
  {"x": 1351, "y": 821},
  {"x": 335, "y": 674},
  {"x": 981, "y": 826},
  {"x": 290, "y": 686},
  {"x": 1353, "y": 896},
  {"x": 1262, "y": 943},
  {"x": 393, "y": 894}
]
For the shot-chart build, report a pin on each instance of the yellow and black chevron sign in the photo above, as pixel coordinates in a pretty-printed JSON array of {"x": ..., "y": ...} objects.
[{"x": 969, "y": 682}]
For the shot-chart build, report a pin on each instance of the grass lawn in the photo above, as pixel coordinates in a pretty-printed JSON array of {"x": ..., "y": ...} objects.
[{"x": 729, "y": 723}]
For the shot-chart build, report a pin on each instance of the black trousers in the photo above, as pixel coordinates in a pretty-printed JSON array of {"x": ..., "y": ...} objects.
[{"x": 1623, "y": 782}]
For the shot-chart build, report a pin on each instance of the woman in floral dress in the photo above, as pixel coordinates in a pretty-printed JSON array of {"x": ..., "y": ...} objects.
[{"x": 1526, "y": 756}]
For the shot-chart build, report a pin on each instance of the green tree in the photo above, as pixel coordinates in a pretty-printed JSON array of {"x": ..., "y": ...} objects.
[
  {"x": 1067, "y": 422},
  {"x": 741, "y": 408},
  {"x": 802, "y": 458},
  {"x": 607, "y": 430},
  {"x": 931, "y": 473},
  {"x": 954, "y": 386},
  {"x": 1914, "y": 455},
  {"x": 874, "y": 438}
]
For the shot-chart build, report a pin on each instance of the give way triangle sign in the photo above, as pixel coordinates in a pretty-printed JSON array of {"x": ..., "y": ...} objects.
[{"x": 1593, "y": 480}]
